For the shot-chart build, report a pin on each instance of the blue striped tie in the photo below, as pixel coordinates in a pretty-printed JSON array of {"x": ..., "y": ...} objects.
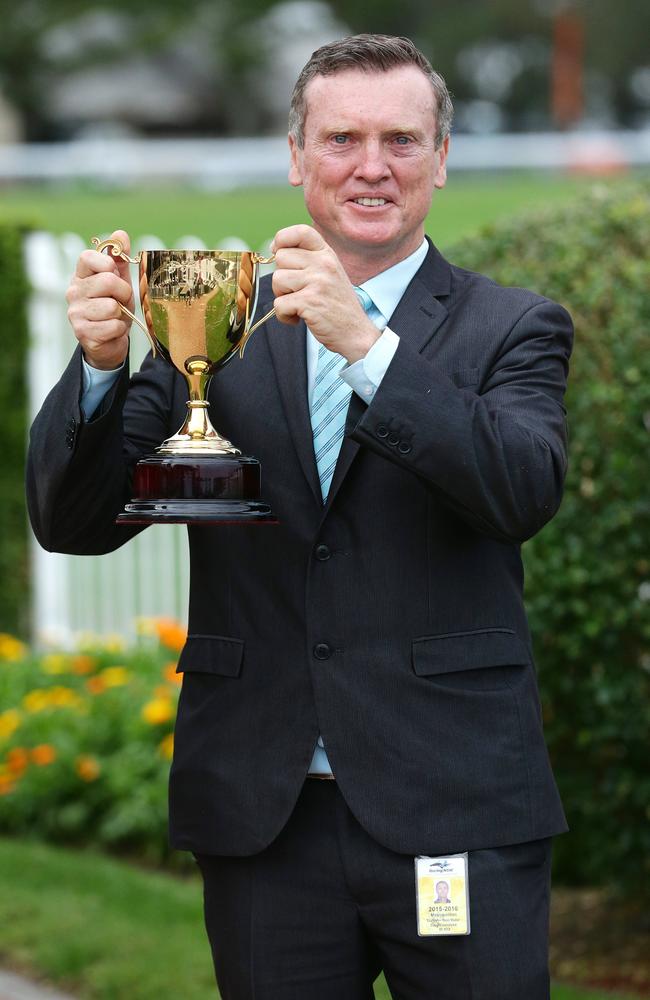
[{"x": 329, "y": 407}]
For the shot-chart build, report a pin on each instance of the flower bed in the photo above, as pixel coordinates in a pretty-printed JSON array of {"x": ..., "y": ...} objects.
[{"x": 86, "y": 738}]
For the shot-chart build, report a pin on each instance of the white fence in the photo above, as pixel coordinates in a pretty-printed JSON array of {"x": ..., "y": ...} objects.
[
  {"x": 148, "y": 577},
  {"x": 232, "y": 163}
]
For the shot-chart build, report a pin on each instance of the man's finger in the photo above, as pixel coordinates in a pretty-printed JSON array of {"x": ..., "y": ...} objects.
[{"x": 302, "y": 236}]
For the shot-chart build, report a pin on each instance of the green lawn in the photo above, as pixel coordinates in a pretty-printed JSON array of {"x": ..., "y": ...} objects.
[
  {"x": 171, "y": 212},
  {"x": 107, "y": 930}
]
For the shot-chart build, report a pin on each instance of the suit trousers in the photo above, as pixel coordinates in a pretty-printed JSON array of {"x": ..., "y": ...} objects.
[{"x": 324, "y": 909}]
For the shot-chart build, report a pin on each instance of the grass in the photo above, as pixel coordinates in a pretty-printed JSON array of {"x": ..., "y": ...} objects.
[
  {"x": 108, "y": 930},
  {"x": 254, "y": 215}
]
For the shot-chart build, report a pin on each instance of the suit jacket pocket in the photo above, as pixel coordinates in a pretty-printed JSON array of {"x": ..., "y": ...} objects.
[
  {"x": 471, "y": 652},
  {"x": 211, "y": 654}
]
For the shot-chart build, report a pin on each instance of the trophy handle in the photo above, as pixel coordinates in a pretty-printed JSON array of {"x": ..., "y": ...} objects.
[
  {"x": 117, "y": 250},
  {"x": 252, "y": 329}
]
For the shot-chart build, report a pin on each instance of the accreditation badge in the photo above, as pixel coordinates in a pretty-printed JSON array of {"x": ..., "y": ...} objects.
[{"x": 442, "y": 895}]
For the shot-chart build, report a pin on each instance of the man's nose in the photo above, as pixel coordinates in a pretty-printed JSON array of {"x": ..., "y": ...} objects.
[{"x": 372, "y": 165}]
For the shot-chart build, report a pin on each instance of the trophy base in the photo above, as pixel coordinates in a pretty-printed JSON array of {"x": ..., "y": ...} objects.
[{"x": 197, "y": 489}]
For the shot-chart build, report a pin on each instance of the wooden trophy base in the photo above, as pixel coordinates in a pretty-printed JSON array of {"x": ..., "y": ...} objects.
[{"x": 197, "y": 489}]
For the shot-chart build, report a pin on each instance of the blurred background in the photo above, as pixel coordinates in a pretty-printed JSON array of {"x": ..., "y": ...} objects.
[{"x": 169, "y": 120}]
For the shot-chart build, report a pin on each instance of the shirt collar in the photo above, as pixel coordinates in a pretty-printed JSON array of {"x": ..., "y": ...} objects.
[{"x": 387, "y": 288}]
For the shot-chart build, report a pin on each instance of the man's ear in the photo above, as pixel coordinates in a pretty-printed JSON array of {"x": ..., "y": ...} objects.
[
  {"x": 295, "y": 165},
  {"x": 441, "y": 165}
]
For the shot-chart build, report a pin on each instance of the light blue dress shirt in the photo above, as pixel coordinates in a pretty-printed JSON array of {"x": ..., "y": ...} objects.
[{"x": 364, "y": 376}]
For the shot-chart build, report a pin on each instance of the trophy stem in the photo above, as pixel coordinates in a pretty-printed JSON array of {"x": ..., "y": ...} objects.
[{"x": 197, "y": 436}]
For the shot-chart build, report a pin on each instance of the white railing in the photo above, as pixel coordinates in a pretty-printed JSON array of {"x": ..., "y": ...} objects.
[
  {"x": 243, "y": 163},
  {"x": 148, "y": 577}
]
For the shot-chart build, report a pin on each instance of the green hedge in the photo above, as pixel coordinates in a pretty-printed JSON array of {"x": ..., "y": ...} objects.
[
  {"x": 14, "y": 602},
  {"x": 588, "y": 572}
]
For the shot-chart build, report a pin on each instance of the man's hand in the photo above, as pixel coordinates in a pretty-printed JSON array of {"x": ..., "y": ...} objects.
[
  {"x": 310, "y": 284},
  {"x": 99, "y": 284}
]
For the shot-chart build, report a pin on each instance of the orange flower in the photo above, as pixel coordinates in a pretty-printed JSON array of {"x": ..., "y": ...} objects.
[
  {"x": 166, "y": 746},
  {"x": 171, "y": 634},
  {"x": 82, "y": 664},
  {"x": 96, "y": 685},
  {"x": 17, "y": 760},
  {"x": 169, "y": 673},
  {"x": 157, "y": 711},
  {"x": 43, "y": 754},
  {"x": 87, "y": 767}
]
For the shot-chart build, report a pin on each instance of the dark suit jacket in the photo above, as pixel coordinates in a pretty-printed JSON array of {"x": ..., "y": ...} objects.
[{"x": 409, "y": 580}]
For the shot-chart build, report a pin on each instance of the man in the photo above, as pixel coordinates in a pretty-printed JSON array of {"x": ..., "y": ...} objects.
[
  {"x": 442, "y": 893},
  {"x": 377, "y": 638}
]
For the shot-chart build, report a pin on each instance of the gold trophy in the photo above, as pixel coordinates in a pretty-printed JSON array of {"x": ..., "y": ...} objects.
[{"x": 198, "y": 306}]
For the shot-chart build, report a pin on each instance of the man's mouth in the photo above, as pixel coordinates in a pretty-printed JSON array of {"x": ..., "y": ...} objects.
[{"x": 370, "y": 202}]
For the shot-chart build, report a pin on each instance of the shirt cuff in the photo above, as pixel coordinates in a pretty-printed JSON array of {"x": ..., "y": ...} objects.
[
  {"x": 365, "y": 375},
  {"x": 95, "y": 385}
]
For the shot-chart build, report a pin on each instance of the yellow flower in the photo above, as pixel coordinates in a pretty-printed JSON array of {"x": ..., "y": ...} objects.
[
  {"x": 36, "y": 700},
  {"x": 43, "y": 754},
  {"x": 55, "y": 663},
  {"x": 11, "y": 649},
  {"x": 157, "y": 710},
  {"x": 64, "y": 697},
  {"x": 171, "y": 634},
  {"x": 57, "y": 697},
  {"x": 166, "y": 746},
  {"x": 9, "y": 722},
  {"x": 115, "y": 676},
  {"x": 87, "y": 767}
]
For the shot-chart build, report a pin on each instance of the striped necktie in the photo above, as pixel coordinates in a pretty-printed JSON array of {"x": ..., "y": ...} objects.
[{"x": 329, "y": 406}]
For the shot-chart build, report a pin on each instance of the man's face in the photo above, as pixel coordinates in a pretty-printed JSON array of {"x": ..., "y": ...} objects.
[
  {"x": 369, "y": 164},
  {"x": 442, "y": 889}
]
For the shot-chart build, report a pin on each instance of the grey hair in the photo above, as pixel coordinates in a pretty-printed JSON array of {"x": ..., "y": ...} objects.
[{"x": 370, "y": 53}]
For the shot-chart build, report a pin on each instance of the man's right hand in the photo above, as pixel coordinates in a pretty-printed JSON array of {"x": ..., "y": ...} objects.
[{"x": 100, "y": 283}]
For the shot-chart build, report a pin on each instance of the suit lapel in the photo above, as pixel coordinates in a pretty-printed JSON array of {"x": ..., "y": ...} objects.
[
  {"x": 418, "y": 316},
  {"x": 288, "y": 354}
]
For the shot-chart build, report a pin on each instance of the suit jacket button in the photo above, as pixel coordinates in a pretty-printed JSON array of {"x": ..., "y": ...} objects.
[
  {"x": 322, "y": 552},
  {"x": 381, "y": 431},
  {"x": 404, "y": 448},
  {"x": 322, "y": 651},
  {"x": 393, "y": 439}
]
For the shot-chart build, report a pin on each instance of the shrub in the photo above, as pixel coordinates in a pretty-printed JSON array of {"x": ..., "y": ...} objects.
[
  {"x": 86, "y": 739},
  {"x": 13, "y": 406},
  {"x": 588, "y": 572}
]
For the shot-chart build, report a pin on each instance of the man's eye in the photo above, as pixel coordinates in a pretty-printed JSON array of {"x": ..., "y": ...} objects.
[
  {"x": 402, "y": 140},
  {"x": 340, "y": 139}
]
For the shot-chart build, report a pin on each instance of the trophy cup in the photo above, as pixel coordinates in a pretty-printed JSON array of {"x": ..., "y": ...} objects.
[{"x": 198, "y": 306}]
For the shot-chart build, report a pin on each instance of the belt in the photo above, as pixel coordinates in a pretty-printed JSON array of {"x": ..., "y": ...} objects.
[{"x": 321, "y": 776}]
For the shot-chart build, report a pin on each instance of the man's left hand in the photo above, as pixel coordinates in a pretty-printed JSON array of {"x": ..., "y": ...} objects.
[{"x": 310, "y": 283}]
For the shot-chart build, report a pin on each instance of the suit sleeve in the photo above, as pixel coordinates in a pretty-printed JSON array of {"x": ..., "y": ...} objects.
[
  {"x": 497, "y": 457},
  {"x": 79, "y": 473}
]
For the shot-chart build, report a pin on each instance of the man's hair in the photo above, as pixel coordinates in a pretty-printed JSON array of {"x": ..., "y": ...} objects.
[{"x": 370, "y": 53}]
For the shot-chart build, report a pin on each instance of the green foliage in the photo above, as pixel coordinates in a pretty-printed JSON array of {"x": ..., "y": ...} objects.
[
  {"x": 13, "y": 406},
  {"x": 588, "y": 572}
]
